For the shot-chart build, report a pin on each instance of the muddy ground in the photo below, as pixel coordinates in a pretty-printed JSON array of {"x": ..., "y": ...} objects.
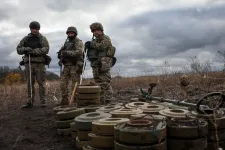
[{"x": 34, "y": 129}]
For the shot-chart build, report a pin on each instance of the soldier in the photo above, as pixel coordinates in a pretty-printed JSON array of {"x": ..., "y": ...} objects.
[
  {"x": 34, "y": 47},
  {"x": 101, "y": 55},
  {"x": 71, "y": 56}
]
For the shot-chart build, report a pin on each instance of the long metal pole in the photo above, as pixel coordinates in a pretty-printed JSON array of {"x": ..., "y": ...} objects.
[
  {"x": 31, "y": 91},
  {"x": 177, "y": 102},
  {"x": 85, "y": 55}
]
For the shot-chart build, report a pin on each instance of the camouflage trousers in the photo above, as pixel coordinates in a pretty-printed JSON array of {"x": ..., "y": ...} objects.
[
  {"x": 102, "y": 77},
  {"x": 38, "y": 72},
  {"x": 69, "y": 72}
]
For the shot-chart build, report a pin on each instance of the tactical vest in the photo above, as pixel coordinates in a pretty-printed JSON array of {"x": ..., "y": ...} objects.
[
  {"x": 33, "y": 42},
  {"x": 102, "y": 53},
  {"x": 67, "y": 47},
  {"x": 94, "y": 54}
]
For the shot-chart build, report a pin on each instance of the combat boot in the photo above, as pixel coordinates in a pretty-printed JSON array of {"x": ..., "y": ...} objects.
[
  {"x": 27, "y": 105},
  {"x": 64, "y": 101},
  {"x": 110, "y": 100},
  {"x": 43, "y": 104}
]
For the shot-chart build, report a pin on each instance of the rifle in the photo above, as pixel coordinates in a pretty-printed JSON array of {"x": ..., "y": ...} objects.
[
  {"x": 60, "y": 54},
  {"x": 84, "y": 65},
  {"x": 75, "y": 87}
]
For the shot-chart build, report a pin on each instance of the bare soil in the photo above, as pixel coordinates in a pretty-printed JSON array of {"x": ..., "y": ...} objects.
[{"x": 32, "y": 129}]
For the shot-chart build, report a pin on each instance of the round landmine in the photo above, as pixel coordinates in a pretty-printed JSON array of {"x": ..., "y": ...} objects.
[
  {"x": 187, "y": 128},
  {"x": 84, "y": 102},
  {"x": 88, "y": 96},
  {"x": 80, "y": 144},
  {"x": 63, "y": 124},
  {"x": 136, "y": 105},
  {"x": 62, "y": 108},
  {"x": 196, "y": 144},
  {"x": 92, "y": 108},
  {"x": 65, "y": 132},
  {"x": 160, "y": 146},
  {"x": 105, "y": 126},
  {"x": 109, "y": 108},
  {"x": 88, "y": 89},
  {"x": 83, "y": 135},
  {"x": 218, "y": 119},
  {"x": 147, "y": 116},
  {"x": 99, "y": 141},
  {"x": 152, "y": 108},
  {"x": 140, "y": 132},
  {"x": 125, "y": 112},
  {"x": 70, "y": 114},
  {"x": 174, "y": 113},
  {"x": 84, "y": 121}
]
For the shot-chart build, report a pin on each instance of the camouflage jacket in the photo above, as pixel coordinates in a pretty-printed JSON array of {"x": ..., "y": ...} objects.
[
  {"x": 73, "y": 52},
  {"x": 39, "y": 53},
  {"x": 102, "y": 43}
]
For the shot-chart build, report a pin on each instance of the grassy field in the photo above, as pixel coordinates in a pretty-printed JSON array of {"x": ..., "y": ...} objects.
[
  {"x": 167, "y": 86},
  {"x": 35, "y": 128}
]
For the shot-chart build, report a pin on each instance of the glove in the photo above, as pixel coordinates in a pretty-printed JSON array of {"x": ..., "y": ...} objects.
[
  {"x": 60, "y": 63},
  {"x": 30, "y": 52},
  {"x": 59, "y": 53},
  {"x": 88, "y": 44},
  {"x": 26, "y": 49},
  {"x": 64, "y": 53}
]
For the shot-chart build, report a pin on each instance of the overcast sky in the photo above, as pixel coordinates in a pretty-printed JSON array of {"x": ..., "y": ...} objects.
[{"x": 146, "y": 33}]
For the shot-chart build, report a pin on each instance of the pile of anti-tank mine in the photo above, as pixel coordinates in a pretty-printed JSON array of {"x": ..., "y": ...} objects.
[{"x": 138, "y": 125}]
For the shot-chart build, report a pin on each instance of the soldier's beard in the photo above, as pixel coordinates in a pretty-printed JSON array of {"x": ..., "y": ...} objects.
[
  {"x": 34, "y": 33},
  {"x": 71, "y": 37}
]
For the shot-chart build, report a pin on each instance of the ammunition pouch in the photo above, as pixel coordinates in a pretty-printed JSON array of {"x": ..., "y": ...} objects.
[
  {"x": 102, "y": 54},
  {"x": 72, "y": 60},
  {"x": 113, "y": 61},
  {"x": 111, "y": 52},
  {"x": 48, "y": 60},
  {"x": 59, "y": 54},
  {"x": 95, "y": 55},
  {"x": 79, "y": 66},
  {"x": 92, "y": 54},
  {"x": 22, "y": 63}
]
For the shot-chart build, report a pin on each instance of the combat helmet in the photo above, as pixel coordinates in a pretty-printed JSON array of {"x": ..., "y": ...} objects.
[
  {"x": 96, "y": 26},
  {"x": 72, "y": 29},
  {"x": 34, "y": 25}
]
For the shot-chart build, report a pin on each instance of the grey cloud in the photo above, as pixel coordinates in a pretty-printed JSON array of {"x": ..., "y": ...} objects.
[
  {"x": 59, "y": 5},
  {"x": 6, "y": 10},
  {"x": 159, "y": 35},
  {"x": 84, "y": 5},
  {"x": 174, "y": 31}
]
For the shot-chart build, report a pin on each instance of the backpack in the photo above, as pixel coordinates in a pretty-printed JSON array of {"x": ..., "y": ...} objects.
[{"x": 111, "y": 52}]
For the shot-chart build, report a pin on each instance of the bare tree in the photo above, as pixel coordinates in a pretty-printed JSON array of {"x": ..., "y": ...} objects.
[
  {"x": 221, "y": 54},
  {"x": 197, "y": 66}
]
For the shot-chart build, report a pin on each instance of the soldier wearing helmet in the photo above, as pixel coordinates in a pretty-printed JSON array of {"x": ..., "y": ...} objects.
[
  {"x": 36, "y": 46},
  {"x": 101, "y": 60},
  {"x": 71, "y": 56}
]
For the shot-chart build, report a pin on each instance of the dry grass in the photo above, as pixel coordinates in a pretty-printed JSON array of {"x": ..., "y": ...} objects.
[{"x": 167, "y": 86}]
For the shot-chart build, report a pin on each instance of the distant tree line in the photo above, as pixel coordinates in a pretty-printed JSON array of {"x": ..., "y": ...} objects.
[{"x": 17, "y": 75}]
